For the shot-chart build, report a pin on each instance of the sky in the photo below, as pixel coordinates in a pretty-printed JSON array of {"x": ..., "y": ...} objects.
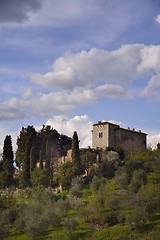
[{"x": 72, "y": 63}]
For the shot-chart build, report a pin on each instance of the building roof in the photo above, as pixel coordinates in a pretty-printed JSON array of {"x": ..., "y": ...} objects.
[
  {"x": 118, "y": 127},
  {"x": 131, "y": 130},
  {"x": 105, "y": 123}
]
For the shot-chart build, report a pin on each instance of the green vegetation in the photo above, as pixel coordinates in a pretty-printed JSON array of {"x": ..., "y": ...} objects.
[
  {"x": 98, "y": 195},
  {"x": 7, "y": 168}
]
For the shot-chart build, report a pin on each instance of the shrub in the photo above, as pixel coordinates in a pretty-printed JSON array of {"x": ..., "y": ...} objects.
[
  {"x": 122, "y": 177},
  {"x": 69, "y": 226},
  {"x": 138, "y": 218},
  {"x": 138, "y": 179}
]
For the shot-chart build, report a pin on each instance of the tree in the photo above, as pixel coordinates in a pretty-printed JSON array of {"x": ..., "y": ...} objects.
[
  {"x": 138, "y": 179},
  {"x": 47, "y": 161},
  {"x": 66, "y": 173},
  {"x": 76, "y": 153},
  {"x": 4, "y": 225},
  {"x": 41, "y": 157},
  {"x": 39, "y": 177},
  {"x": 33, "y": 221},
  {"x": 26, "y": 167},
  {"x": 25, "y": 133},
  {"x": 138, "y": 218},
  {"x": 70, "y": 225},
  {"x": 8, "y": 161},
  {"x": 88, "y": 159},
  {"x": 33, "y": 158}
]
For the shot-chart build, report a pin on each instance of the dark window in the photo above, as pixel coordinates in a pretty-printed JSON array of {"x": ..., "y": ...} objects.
[{"x": 100, "y": 134}]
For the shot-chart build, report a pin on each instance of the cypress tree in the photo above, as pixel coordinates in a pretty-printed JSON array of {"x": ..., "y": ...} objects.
[
  {"x": 41, "y": 158},
  {"x": 8, "y": 160},
  {"x": 47, "y": 161},
  {"x": 33, "y": 157},
  {"x": 76, "y": 153},
  {"x": 26, "y": 165}
]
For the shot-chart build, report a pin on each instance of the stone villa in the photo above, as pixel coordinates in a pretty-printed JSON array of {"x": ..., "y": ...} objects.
[{"x": 107, "y": 134}]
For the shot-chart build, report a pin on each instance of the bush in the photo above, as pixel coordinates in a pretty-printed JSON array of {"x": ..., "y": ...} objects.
[
  {"x": 149, "y": 196},
  {"x": 133, "y": 164},
  {"x": 75, "y": 191},
  {"x": 32, "y": 221},
  {"x": 138, "y": 218},
  {"x": 4, "y": 224},
  {"x": 39, "y": 177},
  {"x": 69, "y": 226},
  {"x": 138, "y": 179},
  {"x": 122, "y": 177},
  {"x": 111, "y": 218}
]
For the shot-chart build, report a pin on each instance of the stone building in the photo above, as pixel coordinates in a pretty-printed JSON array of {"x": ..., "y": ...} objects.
[{"x": 106, "y": 134}]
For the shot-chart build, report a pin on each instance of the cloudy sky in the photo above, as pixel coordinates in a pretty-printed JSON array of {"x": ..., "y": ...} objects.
[{"x": 71, "y": 63}]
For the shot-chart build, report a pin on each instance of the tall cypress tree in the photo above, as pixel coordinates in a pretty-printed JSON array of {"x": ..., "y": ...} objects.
[
  {"x": 48, "y": 162},
  {"x": 33, "y": 157},
  {"x": 41, "y": 157},
  {"x": 8, "y": 160},
  {"x": 26, "y": 164},
  {"x": 76, "y": 153},
  {"x": 30, "y": 141}
]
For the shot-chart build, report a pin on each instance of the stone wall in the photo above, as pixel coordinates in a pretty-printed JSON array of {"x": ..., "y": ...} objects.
[
  {"x": 103, "y": 135},
  {"x": 106, "y": 134},
  {"x": 100, "y": 137},
  {"x": 130, "y": 141}
]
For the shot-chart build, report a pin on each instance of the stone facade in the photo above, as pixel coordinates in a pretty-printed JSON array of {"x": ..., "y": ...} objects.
[{"x": 106, "y": 134}]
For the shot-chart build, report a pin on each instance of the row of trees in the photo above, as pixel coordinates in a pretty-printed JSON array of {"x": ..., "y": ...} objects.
[
  {"x": 34, "y": 149},
  {"x": 44, "y": 148}
]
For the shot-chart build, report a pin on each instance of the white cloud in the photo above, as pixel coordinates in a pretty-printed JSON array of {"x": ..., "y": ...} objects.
[
  {"x": 150, "y": 59},
  {"x": 152, "y": 90},
  {"x": 81, "y": 124},
  {"x": 85, "y": 69},
  {"x": 157, "y": 18},
  {"x": 153, "y": 139},
  {"x": 116, "y": 70},
  {"x": 64, "y": 13},
  {"x": 27, "y": 93},
  {"x": 44, "y": 105},
  {"x": 112, "y": 91},
  {"x": 80, "y": 78}
]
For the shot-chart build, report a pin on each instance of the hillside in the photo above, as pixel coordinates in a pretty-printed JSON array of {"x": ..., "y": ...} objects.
[{"x": 118, "y": 200}]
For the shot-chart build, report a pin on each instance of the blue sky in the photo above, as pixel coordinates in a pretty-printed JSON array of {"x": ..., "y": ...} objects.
[{"x": 71, "y": 63}]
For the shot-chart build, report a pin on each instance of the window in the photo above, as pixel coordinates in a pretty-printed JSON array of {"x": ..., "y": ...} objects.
[{"x": 100, "y": 134}]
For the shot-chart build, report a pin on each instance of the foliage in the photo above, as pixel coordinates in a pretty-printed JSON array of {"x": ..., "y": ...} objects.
[
  {"x": 88, "y": 159},
  {"x": 39, "y": 177},
  {"x": 34, "y": 221},
  {"x": 109, "y": 162},
  {"x": 138, "y": 179},
  {"x": 138, "y": 218},
  {"x": 76, "y": 153},
  {"x": 65, "y": 174},
  {"x": 44, "y": 147},
  {"x": 122, "y": 177},
  {"x": 22, "y": 139},
  {"x": 149, "y": 196},
  {"x": 75, "y": 191},
  {"x": 4, "y": 226},
  {"x": 7, "y": 166},
  {"x": 120, "y": 200},
  {"x": 70, "y": 225}
]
